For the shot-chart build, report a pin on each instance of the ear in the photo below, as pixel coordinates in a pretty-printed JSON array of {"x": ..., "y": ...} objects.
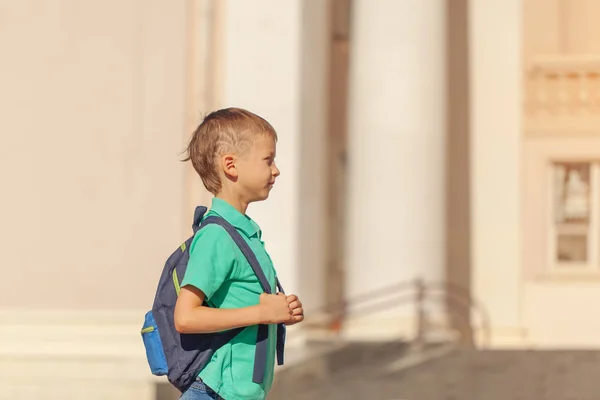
[{"x": 228, "y": 162}]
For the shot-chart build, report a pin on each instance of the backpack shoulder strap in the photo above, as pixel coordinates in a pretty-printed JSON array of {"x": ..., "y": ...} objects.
[
  {"x": 246, "y": 250},
  {"x": 241, "y": 243},
  {"x": 260, "y": 356},
  {"x": 198, "y": 214}
]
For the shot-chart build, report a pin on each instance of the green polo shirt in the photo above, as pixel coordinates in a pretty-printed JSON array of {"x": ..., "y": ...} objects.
[{"x": 219, "y": 269}]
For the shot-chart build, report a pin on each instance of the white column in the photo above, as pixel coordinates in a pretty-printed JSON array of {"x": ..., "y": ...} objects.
[
  {"x": 396, "y": 149},
  {"x": 495, "y": 47},
  {"x": 274, "y": 65}
]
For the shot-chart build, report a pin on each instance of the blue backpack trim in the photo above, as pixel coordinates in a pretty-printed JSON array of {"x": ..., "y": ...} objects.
[
  {"x": 182, "y": 356},
  {"x": 154, "y": 350}
]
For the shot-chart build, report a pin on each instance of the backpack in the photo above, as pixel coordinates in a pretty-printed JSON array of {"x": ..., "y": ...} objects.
[{"x": 182, "y": 356}]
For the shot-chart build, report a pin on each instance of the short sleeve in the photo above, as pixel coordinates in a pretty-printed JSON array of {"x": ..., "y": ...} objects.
[{"x": 211, "y": 260}]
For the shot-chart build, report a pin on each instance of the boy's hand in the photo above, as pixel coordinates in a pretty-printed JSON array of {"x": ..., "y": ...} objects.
[
  {"x": 295, "y": 305},
  {"x": 275, "y": 309}
]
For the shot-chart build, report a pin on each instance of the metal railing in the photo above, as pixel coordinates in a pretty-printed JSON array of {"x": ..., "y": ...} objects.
[{"x": 462, "y": 312}]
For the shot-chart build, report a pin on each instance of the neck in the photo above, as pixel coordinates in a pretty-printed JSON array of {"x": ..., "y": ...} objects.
[{"x": 235, "y": 201}]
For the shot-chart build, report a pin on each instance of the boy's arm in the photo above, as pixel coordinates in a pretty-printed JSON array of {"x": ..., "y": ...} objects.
[
  {"x": 207, "y": 270},
  {"x": 192, "y": 317}
]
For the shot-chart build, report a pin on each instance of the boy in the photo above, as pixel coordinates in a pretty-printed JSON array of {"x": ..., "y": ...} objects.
[{"x": 233, "y": 151}]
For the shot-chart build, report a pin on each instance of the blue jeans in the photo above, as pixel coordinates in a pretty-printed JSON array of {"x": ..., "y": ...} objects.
[{"x": 199, "y": 391}]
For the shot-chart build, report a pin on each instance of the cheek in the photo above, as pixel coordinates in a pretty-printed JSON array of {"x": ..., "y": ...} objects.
[{"x": 256, "y": 174}]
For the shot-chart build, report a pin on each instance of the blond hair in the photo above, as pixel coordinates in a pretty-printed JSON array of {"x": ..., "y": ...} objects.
[{"x": 230, "y": 130}]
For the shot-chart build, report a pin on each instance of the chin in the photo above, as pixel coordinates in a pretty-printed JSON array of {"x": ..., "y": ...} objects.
[
  {"x": 261, "y": 195},
  {"x": 265, "y": 195},
  {"x": 259, "y": 198}
]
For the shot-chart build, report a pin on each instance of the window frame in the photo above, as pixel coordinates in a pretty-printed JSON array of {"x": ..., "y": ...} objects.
[
  {"x": 593, "y": 249},
  {"x": 537, "y": 215}
]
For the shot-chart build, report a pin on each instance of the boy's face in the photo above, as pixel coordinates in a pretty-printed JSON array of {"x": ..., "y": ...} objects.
[{"x": 257, "y": 170}]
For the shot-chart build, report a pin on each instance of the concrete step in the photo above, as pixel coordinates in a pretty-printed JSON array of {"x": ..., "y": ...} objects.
[{"x": 323, "y": 372}]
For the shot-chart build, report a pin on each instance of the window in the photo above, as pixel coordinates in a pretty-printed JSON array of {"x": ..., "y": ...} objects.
[{"x": 574, "y": 239}]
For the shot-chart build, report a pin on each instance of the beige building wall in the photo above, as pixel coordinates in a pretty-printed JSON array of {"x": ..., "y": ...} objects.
[
  {"x": 556, "y": 298},
  {"x": 561, "y": 127},
  {"x": 93, "y": 189},
  {"x": 93, "y": 196},
  {"x": 539, "y": 111}
]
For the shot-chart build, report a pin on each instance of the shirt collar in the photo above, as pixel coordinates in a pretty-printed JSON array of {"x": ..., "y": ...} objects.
[{"x": 234, "y": 217}]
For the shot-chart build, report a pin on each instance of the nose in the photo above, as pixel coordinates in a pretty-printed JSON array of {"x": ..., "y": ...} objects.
[{"x": 275, "y": 171}]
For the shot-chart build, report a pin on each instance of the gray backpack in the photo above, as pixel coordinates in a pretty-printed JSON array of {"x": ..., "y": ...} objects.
[{"x": 182, "y": 356}]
